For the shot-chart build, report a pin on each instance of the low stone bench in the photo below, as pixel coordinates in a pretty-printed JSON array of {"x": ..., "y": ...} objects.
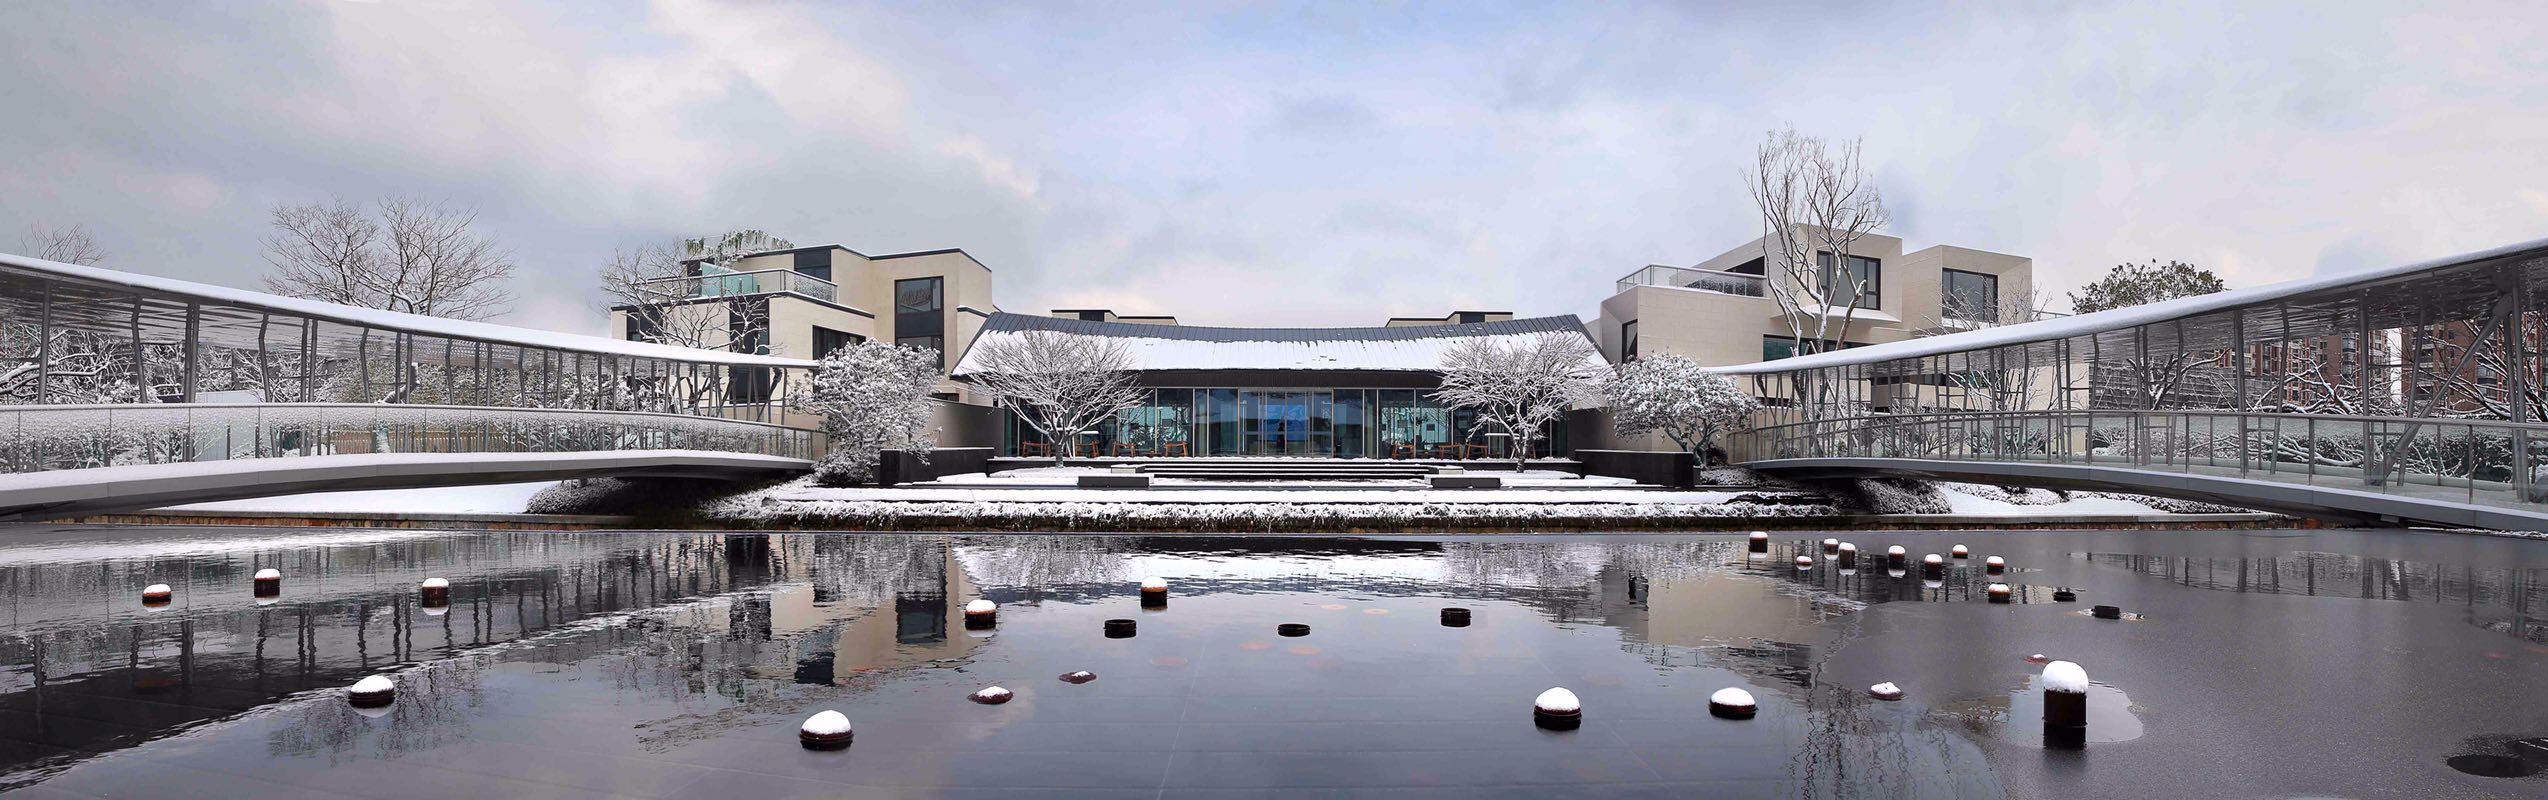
[
  {"x": 1467, "y": 482},
  {"x": 1114, "y": 481}
]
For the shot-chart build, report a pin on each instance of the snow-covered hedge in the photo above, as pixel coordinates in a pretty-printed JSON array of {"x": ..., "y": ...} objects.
[{"x": 1888, "y": 496}]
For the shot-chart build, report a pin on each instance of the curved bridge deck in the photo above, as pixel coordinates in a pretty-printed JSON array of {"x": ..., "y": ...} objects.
[
  {"x": 73, "y": 460},
  {"x": 2445, "y": 472}
]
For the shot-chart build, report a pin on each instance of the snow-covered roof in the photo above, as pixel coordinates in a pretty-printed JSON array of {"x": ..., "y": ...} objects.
[
  {"x": 376, "y": 318},
  {"x": 2310, "y": 289},
  {"x": 1416, "y": 348}
]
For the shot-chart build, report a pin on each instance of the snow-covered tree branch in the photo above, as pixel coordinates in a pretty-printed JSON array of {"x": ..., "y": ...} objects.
[
  {"x": 1816, "y": 202},
  {"x": 1059, "y": 383},
  {"x": 673, "y": 295},
  {"x": 1521, "y": 386},
  {"x": 873, "y": 397},
  {"x": 1675, "y": 396}
]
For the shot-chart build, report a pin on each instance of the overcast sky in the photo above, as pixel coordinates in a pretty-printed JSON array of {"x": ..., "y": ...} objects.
[{"x": 1255, "y": 164}]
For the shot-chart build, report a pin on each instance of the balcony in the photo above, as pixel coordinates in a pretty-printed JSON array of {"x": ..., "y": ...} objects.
[
  {"x": 1707, "y": 280},
  {"x": 740, "y": 284}
]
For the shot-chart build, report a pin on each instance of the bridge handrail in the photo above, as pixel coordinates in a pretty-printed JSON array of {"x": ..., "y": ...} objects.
[
  {"x": 4, "y": 409},
  {"x": 2477, "y": 461},
  {"x": 44, "y": 438}
]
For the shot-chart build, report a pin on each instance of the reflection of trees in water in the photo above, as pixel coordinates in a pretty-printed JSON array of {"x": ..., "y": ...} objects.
[
  {"x": 864, "y": 568},
  {"x": 1034, "y": 562},
  {"x": 1856, "y": 747},
  {"x": 433, "y": 709}
]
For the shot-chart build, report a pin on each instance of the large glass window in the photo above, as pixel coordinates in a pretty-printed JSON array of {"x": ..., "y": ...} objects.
[
  {"x": 815, "y": 263},
  {"x": 919, "y": 296},
  {"x": 1351, "y": 429},
  {"x": 1628, "y": 340},
  {"x": 933, "y": 344},
  {"x": 1220, "y": 411},
  {"x": 1969, "y": 296},
  {"x": 1864, "y": 276},
  {"x": 827, "y": 340},
  {"x": 920, "y": 318}
]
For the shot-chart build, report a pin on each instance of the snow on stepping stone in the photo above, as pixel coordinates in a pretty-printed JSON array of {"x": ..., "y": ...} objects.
[
  {"x": 1558, "y": 709},
  {"x": 267, "y": 584},
  {"x": 981, "y": 614},
  {"x": 826, "y": 730},
  {"x": 991, "y": 696},
  {"x": 373, "y": 691},
  {"x": 157, "y": 595},
  {"x": 1732, "y": 703},
  {"x": 1885, "y": 691},
  {"x": 1079, "y": 676}
]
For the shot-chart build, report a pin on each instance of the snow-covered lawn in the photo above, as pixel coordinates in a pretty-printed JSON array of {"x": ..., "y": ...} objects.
[{"x": 502, "y": 498}]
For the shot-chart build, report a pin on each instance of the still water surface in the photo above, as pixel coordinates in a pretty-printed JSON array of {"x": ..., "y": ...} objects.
[{"x": 2260, "y": 664}]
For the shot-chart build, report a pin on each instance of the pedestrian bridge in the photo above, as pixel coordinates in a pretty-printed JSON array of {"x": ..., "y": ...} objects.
[
  {"x": 2413, "y": 393},
  {"x": 74, "y": 460},
  {"x": 2447, "y": 472}
]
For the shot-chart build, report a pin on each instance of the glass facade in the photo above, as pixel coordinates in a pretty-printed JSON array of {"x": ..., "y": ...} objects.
[
  {"x": 1969, "y": 295},
  {"x": 1332, "y": 423}
]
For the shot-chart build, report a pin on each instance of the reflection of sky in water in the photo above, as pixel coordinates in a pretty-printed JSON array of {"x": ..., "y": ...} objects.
[{"x": 680, "y": 664}]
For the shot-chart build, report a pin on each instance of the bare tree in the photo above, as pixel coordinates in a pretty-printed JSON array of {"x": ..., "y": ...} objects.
[
  {"x": 679, "y": 294},
  {"x": 71, "y": 245},
  {"x": 417, "y": 257},
  {"x": 1816, "y": 203},
  {"x": 1060, "y": 383},
  {"x": 1522, "y": 385}
]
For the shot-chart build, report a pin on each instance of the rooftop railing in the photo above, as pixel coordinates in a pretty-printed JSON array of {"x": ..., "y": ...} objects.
[
  {"x": 739, "y": 284},
  {"x": 1734, "y": 283}
]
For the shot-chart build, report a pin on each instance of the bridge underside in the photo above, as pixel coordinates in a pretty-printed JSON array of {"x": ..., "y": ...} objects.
[
  {"x": 68, "y": 493},
  {"x": 2315, "y": 501}
]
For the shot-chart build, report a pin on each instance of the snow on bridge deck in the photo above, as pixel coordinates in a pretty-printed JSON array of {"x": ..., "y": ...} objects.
[{"x": 61, "y": 493}]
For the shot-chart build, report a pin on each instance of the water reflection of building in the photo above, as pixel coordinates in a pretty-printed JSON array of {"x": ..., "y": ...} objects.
[
  {"x": 2507, "y": 600},
  {"x": 84, "y": 669}
]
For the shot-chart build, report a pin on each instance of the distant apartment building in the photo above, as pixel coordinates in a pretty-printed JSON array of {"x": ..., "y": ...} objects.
[
  {"x": 804, "y": 302},
  {"x": 1721, "y": 311}
]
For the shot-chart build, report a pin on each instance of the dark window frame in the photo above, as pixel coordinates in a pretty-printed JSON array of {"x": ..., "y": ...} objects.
[
  {"x": 1628, "y": 341},
  {"x": 1990, "y": 306},
  {"x": 1873, "y": 298}
]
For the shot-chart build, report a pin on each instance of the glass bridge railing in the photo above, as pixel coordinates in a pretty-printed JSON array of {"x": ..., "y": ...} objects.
[
  {"x": 48, "y": 438},
  {"x": 2480, "y": 462}
]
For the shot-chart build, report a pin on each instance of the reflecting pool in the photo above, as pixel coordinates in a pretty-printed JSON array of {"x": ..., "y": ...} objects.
[{"x": 2265, "y": 664}]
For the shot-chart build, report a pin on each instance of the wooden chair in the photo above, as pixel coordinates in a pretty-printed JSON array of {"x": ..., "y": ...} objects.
[
  {"x": 1402, "y": 451},
  {"x": 1034, "y": 449},
  {"x": 1473, "y": 450},
  {"x": 1128, "y": 449},
  {"x": 1175, "y": 449}
]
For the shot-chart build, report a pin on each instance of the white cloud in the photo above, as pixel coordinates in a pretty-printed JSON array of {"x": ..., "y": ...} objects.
[{"x": 1263, "y": 165}]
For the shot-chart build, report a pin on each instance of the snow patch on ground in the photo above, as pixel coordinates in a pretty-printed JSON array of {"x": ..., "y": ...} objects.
[
  {"x": 1959, "y": 501},
  {"x": 502, "y": 498}
]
